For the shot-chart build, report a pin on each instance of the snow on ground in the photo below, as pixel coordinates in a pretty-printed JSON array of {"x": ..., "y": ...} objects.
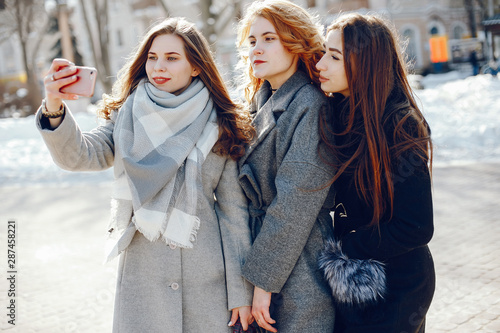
[
  {"x": 24, "y": 158},
  {"x": 464, "y": 115}
]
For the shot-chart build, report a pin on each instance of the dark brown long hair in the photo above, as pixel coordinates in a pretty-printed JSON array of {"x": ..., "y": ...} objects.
[
  {"x": 234, "y": 121},
  {"x": 382, "y": 116}
]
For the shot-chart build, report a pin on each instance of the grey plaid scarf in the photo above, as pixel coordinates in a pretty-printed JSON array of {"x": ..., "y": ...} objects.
[{"x": 161, "y": 141}]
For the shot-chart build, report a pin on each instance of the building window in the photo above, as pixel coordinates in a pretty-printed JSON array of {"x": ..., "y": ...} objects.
[
  {"x": 458, "y": 32},
  {"x": 435, "y": 27}
]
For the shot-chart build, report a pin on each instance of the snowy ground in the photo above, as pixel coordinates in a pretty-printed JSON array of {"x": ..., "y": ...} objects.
[
  {"x": 25, "y": 160},
  {"x": 464, "y": 115}
]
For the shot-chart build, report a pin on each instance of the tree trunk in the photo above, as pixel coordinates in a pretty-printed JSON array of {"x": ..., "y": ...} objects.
[
  {"x": 103, "y": 25},
  {"x": 99, "y": 44},
  {"x": 34, "y": 96},
  {"x": 469, "y": 7}
]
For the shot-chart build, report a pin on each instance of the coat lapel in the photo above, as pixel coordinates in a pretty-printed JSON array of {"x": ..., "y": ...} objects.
[
  {"x": 266, "y": 108},
  {"x": 263, "y": 120}
]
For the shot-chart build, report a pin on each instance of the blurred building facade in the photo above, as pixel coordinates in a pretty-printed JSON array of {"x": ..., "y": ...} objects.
[
  {"x": 420, "y": 23},
  {"x": 448, "y": 22},
  {"x": 445, "y": 21}
]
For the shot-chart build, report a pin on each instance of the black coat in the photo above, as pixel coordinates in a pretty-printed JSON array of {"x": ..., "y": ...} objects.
[{"x": 382, "y": 277}]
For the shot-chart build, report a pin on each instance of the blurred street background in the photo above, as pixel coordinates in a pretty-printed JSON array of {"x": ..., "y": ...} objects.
[{"x": 439, "y": 36}]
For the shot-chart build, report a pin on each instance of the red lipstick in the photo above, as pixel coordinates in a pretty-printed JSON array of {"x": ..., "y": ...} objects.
[{"x": 160, "y": 80}]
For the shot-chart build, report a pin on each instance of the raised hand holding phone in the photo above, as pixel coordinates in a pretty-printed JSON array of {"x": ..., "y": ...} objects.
[
  {"x": 85, "y": 83},
  {"x": 62, "y": 82},
  {"x": 61, "y": 73}
]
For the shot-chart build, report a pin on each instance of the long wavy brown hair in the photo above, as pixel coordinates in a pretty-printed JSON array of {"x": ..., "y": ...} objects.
[
  {"x": 384, "y": 123},
  {"x": 234, "y": 121},
  {"x": 299, "y": 32}
]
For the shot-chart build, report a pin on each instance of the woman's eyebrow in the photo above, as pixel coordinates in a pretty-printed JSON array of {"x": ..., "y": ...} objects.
[
  {"x": 334, "y": 50},
  {"x": 152, "y": 52},
  {"x": 265, "y": 33}
]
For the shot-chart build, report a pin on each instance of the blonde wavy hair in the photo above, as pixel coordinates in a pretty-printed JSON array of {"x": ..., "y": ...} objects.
[{"x": 299, "y": 32}]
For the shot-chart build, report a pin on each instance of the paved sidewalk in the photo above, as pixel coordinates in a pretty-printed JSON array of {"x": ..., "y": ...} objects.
[
  {"x": 62, "y": 285},
  {"x": 466, "y": 249}
]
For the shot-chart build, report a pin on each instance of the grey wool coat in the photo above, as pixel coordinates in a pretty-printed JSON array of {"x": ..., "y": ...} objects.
[
  {"x": 282, "y": 175},
  {"x": 161, "y": 288}
]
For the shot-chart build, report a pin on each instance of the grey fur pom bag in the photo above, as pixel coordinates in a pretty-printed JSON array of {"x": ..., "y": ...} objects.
[{"x": 354, "y": 282}]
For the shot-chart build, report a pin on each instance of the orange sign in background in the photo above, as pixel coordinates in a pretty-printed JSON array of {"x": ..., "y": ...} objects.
[{"x": 439, "y": 49}]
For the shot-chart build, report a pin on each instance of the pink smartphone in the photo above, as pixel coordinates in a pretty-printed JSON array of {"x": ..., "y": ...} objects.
[{"x": 85, "y": 84}]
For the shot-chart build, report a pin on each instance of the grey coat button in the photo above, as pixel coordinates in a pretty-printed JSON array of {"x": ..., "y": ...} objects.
[
  {"x": 172, "y": 246},
  {"x": 174, "y": 286}
]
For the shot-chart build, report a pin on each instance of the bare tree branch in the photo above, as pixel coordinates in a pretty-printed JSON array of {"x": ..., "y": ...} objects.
[
  {"x": 25, "y": 15},
  {"x": 90, "y": 34},
  {"x": 224, "y": 20},
  {"x": 100, "y": 40}
]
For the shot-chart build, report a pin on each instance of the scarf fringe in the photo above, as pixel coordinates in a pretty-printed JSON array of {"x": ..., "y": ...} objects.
[
  {"x": 146, "y": 233},
  {"x": 153, "y": 238}
]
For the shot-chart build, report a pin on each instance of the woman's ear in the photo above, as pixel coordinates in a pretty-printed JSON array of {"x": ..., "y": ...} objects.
[{"x": 195, "y": 72}]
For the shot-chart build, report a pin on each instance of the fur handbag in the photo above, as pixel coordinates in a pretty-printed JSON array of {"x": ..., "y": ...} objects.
[{"x": 354, "y": 282}]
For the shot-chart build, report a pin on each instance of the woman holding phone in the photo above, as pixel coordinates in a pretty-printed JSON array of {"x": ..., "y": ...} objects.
[
  {"x": 281, "y": 170},
  {"x": 378, "y": 265},
  {"x": 179, "y": 219}
]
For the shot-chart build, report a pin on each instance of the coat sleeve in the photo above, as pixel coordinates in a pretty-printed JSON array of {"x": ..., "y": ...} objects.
[
  {"x": 232, "y": 212},
  {"x": 76, "y": 151},
  {"x": 300, "y": 193},
  {"x": 411, "y": 225}
]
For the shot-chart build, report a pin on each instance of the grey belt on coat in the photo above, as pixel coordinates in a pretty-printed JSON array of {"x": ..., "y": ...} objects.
[{"x": 256, "y": 218}]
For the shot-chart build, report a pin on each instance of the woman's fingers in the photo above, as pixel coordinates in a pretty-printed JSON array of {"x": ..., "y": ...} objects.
[
  {"x": 267, "y": 318},
  {"x": 234, "y": 317},
  {"x": 62, "y": 76},
  {"x": 59, "y": 63},
  {"x": 260, "y": 309},
  {"x": 59, "y": 83},
  {"x": 265, "y": 323},
  {"x": 61, "y": 73},
  {"x": 53, "y": 89},
  {"x": 246, "y": 318}
]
